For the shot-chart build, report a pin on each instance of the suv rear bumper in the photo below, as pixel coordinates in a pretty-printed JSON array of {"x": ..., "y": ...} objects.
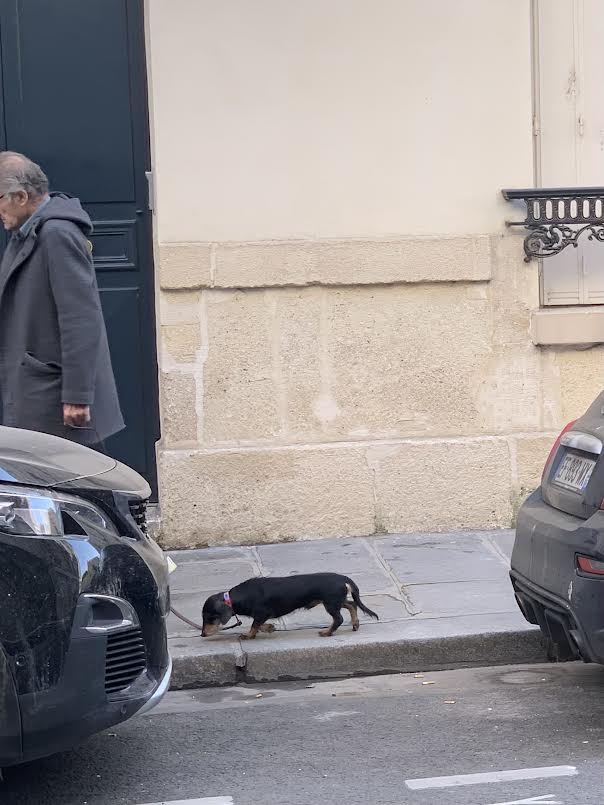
[
  {"x": 567, "y": 605},
  {"x": 555, "y": 619}
]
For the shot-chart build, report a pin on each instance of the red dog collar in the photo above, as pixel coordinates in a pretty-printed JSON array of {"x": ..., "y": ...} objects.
[{"x": 229, "y": 603}]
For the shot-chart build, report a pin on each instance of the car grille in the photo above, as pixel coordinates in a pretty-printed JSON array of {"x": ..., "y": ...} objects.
[
  {"x": 125, "y": 659},
  {"x": 138, "y": 510}
]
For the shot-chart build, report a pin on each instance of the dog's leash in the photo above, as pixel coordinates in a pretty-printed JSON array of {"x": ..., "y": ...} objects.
[
  {"x": 197, "y": 626},
  {"x": 171, "y": 568}
]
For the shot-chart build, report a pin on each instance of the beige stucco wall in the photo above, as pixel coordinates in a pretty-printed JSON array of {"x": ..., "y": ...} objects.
[
  {"x": 345, "y": 338},
  {"x": 349, "y": 118}
]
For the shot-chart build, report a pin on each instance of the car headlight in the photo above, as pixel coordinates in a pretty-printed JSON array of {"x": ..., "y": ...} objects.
[{"x": 42, "y": 513}]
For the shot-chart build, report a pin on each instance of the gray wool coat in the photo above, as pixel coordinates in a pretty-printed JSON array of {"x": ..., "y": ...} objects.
[{"x": 53, "y": 342}]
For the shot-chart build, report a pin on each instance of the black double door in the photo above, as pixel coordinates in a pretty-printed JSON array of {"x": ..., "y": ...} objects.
[{"x": 74, "y": 99}]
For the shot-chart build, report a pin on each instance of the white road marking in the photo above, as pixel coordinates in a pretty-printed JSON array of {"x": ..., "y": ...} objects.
[
  {"x": 545, "y": 799},
  {"x": 491, "y": 777},
  {"x": 202, "y": 801}
]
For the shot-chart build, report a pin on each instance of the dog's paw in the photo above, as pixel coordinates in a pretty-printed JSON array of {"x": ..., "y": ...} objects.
[
  {"x": 355, "y": 627},
  {"x": 247, "y": 636},
  {"x": 325, "y": 633},
  {"x": 267, "y": 627}
]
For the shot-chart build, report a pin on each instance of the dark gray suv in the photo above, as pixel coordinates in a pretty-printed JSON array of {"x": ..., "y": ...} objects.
[
  {"x": 83, "y": 596},
  {"x": 558, "y": 557}
]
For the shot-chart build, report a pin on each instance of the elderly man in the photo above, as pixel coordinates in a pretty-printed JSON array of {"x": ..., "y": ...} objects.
[{"x": 55, "y": 369}]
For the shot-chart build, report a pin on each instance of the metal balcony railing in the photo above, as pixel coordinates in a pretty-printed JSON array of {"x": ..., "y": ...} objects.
[{"x": 556, "y": 217}]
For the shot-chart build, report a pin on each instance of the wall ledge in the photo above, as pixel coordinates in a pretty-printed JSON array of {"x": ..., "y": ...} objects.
[
  {"x": 286, "y": 263},
  {"x": 567, "y": 326}
]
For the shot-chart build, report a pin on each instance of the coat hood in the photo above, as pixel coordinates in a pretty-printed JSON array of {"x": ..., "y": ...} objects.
[{"x": 66, "y": 208}]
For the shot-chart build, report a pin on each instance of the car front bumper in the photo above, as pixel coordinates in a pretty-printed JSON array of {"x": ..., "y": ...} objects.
[
  {"x": 83, "y": 638},
  {"x": 159, "y": 692},
  {"x": 100, "y": 686}
]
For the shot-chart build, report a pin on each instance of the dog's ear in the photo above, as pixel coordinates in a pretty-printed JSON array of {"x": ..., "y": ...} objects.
[{"x": 226, "y": 613}]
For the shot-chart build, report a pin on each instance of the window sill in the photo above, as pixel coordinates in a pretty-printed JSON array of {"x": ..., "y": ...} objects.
[{"x": 560, "y": 326}]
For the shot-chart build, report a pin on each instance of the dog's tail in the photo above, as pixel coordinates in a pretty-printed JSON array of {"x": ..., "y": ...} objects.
[{"x": 354, "y": 591}]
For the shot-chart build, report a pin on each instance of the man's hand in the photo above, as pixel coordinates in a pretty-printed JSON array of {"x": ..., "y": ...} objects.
[{"x": 76, "y": 416}]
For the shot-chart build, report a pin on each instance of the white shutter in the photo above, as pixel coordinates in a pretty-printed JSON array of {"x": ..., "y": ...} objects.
[
  {"x": 571, "y": 133},
  {"x": 557, "y": 88},
  {"x": 593, "y": 272},
  {"x": 591, "y": 136},
  {"x": 590, "y": 129},
  {"x": 561, "y": 279}
]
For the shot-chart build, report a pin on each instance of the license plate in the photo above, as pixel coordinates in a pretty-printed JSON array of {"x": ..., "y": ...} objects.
[{"x": 574, "y": 472}]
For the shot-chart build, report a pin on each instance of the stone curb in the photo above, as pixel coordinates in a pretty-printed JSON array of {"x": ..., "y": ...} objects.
[{"x": 308, "y": 659}]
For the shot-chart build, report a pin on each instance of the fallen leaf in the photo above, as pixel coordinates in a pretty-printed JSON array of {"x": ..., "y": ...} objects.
[
  {"x": 449, "y": 701},
  {"x": 419, "y": 676},
  {"x": 428, "y": 683},
  {"x": 258, "y": 695}
]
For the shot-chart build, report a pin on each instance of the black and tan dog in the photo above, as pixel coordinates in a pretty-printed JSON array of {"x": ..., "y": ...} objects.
[{"x": 263, "y": 599}]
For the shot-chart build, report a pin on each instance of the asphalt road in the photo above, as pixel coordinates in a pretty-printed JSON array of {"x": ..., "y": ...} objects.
[{"x": 467, "y": 738}]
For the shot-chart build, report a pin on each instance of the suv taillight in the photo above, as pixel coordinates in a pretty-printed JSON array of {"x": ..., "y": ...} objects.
[
  {"x": 554, "y": 449},
  {"x": 591, "y": 566}
]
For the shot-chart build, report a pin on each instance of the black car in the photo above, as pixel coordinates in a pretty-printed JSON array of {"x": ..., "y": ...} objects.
[
  {"x": 558, "y": 557},
  {"x": 83, "y": 596}
]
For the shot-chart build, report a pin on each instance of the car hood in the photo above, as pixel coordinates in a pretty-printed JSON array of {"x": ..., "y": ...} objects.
[{"x": 37, "y": 459}]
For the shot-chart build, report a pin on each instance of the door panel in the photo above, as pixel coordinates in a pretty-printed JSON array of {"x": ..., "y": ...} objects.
[
  {"x": 74, "y": 91},
  {"x": 67, "y": 93},
  {"x": 120, "y": 308}
]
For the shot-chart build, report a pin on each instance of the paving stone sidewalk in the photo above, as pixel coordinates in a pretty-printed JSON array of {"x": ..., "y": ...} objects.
[{"x": 444, "y": 601}]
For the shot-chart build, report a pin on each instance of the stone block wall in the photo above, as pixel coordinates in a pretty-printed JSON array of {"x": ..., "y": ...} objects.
[{"x": 335, "y": 388}]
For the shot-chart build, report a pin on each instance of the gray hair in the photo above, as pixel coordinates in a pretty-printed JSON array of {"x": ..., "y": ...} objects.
[{"x": 18, "y": 172}]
